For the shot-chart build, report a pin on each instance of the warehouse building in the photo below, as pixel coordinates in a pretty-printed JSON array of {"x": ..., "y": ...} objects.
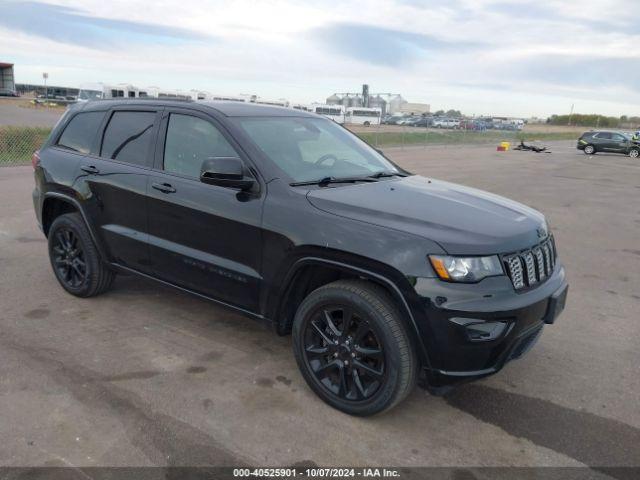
[{"x": 389, "y": 103}]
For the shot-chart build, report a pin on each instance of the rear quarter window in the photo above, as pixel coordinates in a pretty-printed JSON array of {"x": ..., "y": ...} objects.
[{"x": 80, "y": 132}]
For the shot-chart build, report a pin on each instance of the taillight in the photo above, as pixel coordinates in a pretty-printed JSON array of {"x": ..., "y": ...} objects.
[{"x": 35, "y": 159}]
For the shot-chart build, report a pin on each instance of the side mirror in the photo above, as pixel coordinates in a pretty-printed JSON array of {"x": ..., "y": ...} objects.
[{"x": 225, "y": 172}]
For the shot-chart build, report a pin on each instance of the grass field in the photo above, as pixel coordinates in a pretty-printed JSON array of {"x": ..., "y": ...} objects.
[{"x": 457, "y": 137}]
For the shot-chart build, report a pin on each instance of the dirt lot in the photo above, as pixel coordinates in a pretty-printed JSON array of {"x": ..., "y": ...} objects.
[
  {"x": 145, "y": 375},
  {"x": 21, "y": 113}
]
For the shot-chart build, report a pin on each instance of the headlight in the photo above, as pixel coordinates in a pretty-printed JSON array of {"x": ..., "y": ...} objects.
[{"x": 465, "y": 269}]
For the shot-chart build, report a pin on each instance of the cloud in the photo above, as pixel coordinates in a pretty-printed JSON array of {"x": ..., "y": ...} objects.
[
  {"x": 509, "y": 57},
  {"x": 69, "y": 25},
  {"x": 380, "y": 46}
]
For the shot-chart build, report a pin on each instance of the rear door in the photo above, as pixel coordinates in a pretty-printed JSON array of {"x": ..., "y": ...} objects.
[
  {"x": 202, "y": 237},
  {"x": 114, "y": 179},
  {"x": 602, "y": 141}
]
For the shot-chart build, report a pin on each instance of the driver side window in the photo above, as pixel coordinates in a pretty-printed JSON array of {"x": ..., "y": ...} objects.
[{"x": 189, "y": 142}]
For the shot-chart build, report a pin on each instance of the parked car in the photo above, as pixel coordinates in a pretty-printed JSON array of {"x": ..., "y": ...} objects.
[
  {"x": 605, "y": 141},
  {"x": 379, "y": 275},
  {"x": 423, "y": 122},
  {"x": 446, "y": 123},
  {"x": 393, "y": 120}
]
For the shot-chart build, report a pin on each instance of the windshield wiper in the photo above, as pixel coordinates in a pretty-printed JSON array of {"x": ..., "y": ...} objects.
[
  {"x": 386, "y": 174},
  {"x": 328, "y": 180}
]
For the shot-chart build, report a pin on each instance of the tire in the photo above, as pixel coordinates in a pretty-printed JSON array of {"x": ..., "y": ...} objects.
[
  {"x": 366, "y": 124},
  {"x": 589, "y": 150},
  {"x": 634, "y": 153},
  {"x": 375, "y": 345},
  {"x": 75, "y": 259}
]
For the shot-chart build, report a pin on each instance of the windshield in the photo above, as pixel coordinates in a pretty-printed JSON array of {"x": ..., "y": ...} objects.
[
  {"x": 308, "y": 149},
  {"x": 89, "y": 95}
]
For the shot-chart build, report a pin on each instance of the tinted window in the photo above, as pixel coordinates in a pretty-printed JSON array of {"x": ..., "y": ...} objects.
[
  {"x": 617, "y": 138},
  {"x": 80, "y": 132},
  {"x": 190, "y": 141},
  {"x": 128, "y": 137},
  {"x": 604, "y": 135}
]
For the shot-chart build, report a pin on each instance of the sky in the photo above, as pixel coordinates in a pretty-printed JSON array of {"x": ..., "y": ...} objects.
[{"x": 501, "y": 57}]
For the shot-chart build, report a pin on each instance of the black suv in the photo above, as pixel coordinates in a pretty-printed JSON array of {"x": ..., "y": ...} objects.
[
  {"x": 380, "y": 275},
  {"x": 611, "y": 142}
]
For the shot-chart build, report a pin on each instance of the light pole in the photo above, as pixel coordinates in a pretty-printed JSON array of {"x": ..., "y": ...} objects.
[{"x": 45, "y": 75}]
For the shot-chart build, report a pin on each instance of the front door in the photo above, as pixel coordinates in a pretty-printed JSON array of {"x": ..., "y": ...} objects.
[{"x": 202, "y": 237}]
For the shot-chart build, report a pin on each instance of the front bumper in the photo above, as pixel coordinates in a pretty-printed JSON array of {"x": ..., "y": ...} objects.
[{"x": 449, "y": 311}]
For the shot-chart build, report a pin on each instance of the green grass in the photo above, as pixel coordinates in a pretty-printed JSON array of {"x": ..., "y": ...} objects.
[
  {"x": 17, "y": 144},
  {"x": 453, "y": 137}
]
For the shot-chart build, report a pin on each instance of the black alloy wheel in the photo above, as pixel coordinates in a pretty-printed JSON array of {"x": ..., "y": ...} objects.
[
  {"x": 68, "y": 258},
  {"x": 75, "y": 259},
  {"x": 353, "y": 347},
  {"x": 344, "y": 352}
]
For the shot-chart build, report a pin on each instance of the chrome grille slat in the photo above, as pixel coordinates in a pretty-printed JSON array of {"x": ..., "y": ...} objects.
[
  {"x": 515, "y": 271},
  {"x": 531, "y": 267},
  {"x": 540, "y": 263}
]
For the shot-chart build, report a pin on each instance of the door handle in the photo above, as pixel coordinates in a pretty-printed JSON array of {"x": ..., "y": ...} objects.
[
  {"x": 164, "y": 187},
  {"x": 90, "y": 169}
]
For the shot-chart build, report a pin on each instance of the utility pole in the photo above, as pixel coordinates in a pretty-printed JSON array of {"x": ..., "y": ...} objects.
[
  {"x": 570, "y": 114},
  {"x": 45, "y": 75}
]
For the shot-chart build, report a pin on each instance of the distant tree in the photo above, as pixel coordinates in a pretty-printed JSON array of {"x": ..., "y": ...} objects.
[
  {"x": 581, "y": 120},
  {"x": 439, "y": 113},
  {"x": 454, "y": 113}
]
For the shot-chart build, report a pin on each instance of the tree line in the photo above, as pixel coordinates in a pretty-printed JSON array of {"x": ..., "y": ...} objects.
[{"x": 594, "y": 120}]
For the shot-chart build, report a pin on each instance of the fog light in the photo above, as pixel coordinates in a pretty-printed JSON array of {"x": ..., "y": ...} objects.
[{"x": 480, "y": 330}]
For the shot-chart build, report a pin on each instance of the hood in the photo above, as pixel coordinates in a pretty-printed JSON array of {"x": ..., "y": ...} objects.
[{"x": 463, "y": 220}]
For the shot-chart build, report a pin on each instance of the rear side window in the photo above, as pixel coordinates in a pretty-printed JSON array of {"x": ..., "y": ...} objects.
[
  {"x": 79, "y": 133},
  {"x": 127, "y": 137},
  {"x": 190, "y": 141},
  {"x": 604, "y": 135}
]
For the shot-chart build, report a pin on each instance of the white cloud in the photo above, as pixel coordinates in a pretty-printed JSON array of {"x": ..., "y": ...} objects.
[{"x": 480, "y": 56}]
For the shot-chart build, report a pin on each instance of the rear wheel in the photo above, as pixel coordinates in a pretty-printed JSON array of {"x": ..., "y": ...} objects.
[
  {"x": 75, "y": 259},
  {"x": 366, "y": 124},
  {"x": 353, "y": 349},
  {"x": 589, "y": 149}
]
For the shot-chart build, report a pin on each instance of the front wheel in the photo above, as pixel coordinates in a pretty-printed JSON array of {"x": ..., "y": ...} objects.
[
  {"x": 366, "y": 124},
  {"x": 589, "y": 150},
  {"x": 634, "y": 152},
  {"x": 353, "y": 349}
]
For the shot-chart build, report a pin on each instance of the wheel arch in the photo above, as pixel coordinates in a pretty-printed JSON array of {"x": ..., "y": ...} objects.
[
  {"x": 310, "y": 272},
  {"x": 56, "y": 204}
]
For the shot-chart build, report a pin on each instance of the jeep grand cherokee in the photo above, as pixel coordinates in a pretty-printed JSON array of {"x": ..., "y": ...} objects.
[{"x": 380, "y": 275}]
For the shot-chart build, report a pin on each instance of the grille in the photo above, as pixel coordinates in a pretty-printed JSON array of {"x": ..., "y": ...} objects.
[{"x": 530, "y": 267}]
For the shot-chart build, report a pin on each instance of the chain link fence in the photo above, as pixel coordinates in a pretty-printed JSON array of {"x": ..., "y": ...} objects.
[{"x": 17, "y": 144}]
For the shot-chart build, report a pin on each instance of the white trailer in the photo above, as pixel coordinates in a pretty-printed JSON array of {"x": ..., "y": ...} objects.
[{"x": 99, "y": 91}]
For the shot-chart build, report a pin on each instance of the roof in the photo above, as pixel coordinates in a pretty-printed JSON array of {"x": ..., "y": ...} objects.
[
  {"x": 5, "y": 65},
  {"x": 229, "y": 109}
]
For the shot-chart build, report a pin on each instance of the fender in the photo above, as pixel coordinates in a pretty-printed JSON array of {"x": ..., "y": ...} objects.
[
  {"x": 78, "y": 206},
  {"x": 393, "y": 288}
]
